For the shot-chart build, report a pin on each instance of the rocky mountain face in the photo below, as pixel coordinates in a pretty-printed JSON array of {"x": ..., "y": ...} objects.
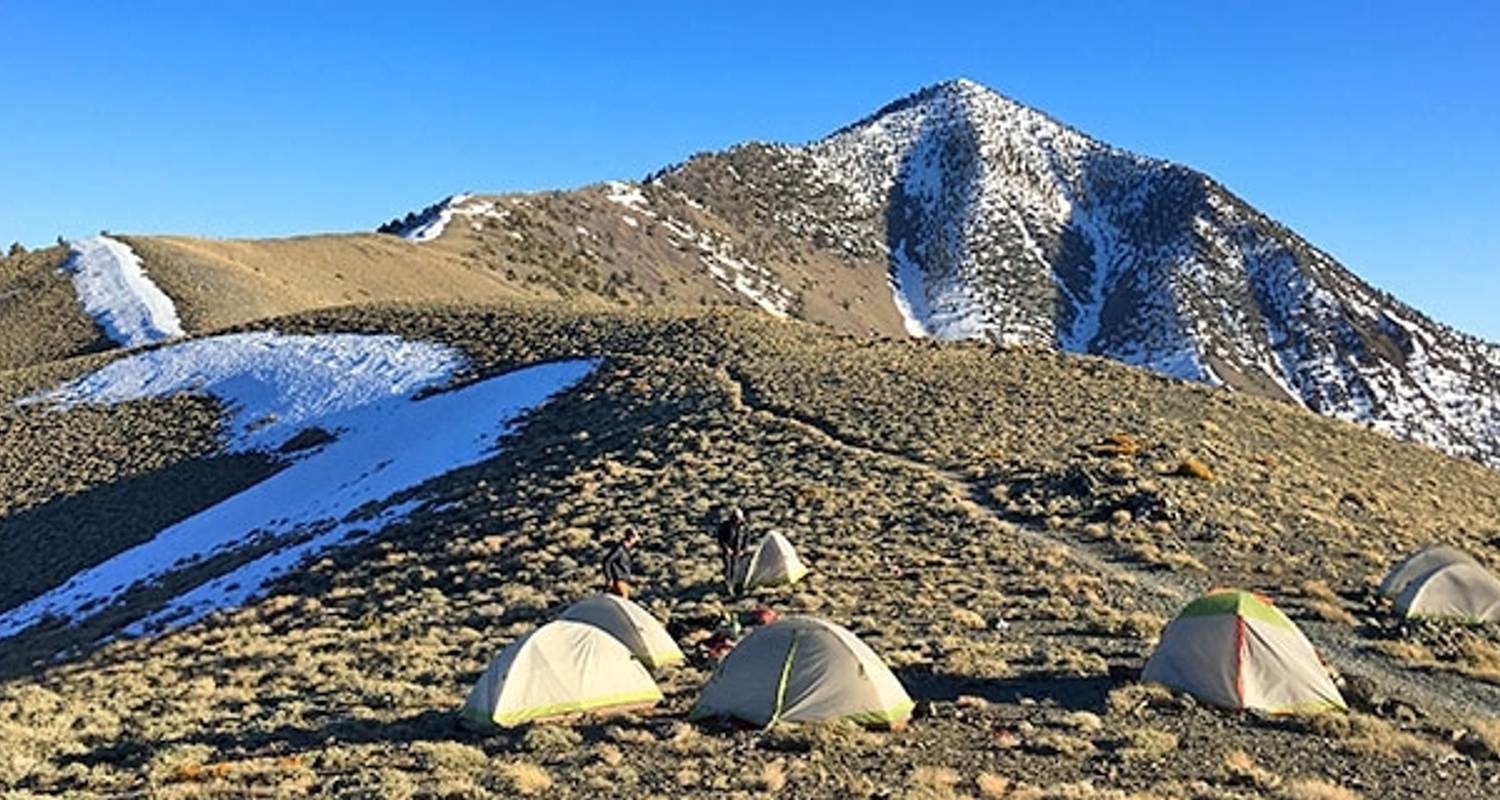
[{"x": 995, "y": 221}]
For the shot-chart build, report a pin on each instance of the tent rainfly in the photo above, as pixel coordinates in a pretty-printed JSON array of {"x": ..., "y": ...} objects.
[
  {"x": 803, "y": 669},
  {"x": 560, "y": 669},
  {"x": 773, "y": 562},
  {"x": 640, "y": 632},
  {"x": 1420, "y": 563},
  {"x": 1461, "y": 590},
  {"x": 1236, "y": 650}
]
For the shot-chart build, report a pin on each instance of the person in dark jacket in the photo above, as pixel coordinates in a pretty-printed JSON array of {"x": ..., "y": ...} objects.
[
  {"x": 617, "y": 565},
  {"x": 734, "y": 542}
]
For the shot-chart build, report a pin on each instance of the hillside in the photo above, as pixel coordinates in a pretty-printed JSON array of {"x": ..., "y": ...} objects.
[{"x": 936, "y": 490}]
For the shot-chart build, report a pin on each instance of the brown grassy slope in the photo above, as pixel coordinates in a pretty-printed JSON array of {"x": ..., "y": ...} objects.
[
  {"x": 1026, "y": 425},
  {"x": 576, "y": 246},
  {"x": 344, "y": 680},
  {"x": 40, "y": 319}
]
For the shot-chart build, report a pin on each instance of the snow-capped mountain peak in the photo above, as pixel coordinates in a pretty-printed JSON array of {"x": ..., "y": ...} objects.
[{"x": 1003, "y": 223}]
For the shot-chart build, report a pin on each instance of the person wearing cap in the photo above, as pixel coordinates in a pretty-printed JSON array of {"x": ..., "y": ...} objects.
[{"x": 617, "y": 565}]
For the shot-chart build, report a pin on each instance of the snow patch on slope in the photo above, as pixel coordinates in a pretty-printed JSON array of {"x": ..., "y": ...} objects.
[
  {"x": 387, "y": 443},
  {"x": 625, "y": 194},
  {"x": 908, "y": 292},
  {"x": 273, "y": 384},
  {"x": 114, "y": 290},
  {"x": 435, "y": 219}
]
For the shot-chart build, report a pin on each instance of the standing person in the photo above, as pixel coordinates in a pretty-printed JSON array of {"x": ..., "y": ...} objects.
[
  {"x": 617, "y": 565},
  {"x": 733, "y": 537}
]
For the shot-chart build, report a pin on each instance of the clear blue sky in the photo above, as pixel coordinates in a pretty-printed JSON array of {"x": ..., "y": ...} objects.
[{"x": 1371, "y": 128}]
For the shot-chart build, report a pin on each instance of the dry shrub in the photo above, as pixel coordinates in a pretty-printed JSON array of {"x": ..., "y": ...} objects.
[
  {"x": 1136, "y": 624},
  {"x": 1331, "y": 612},
  {"x": 1134, "y": 697},
  {"x": 609, "y": 755},
  {"x": 992, "y": 786},
  {"x": 622, "y": 735},
  {"x": 1319, "y": 590},
  {"x": 1118, "y": 444},
  {"x": 1366, "y": 735},
  {"x": 551, "y": 738},
  {"x": 968, "y": 619},
  {"x": 935, "y": 782},
  {"x": 1086, "y": 721},
  {"x": 772, "y": 777},
  {"x": 688, "y": 776},
  {"x": 684, "y": 739},
  {"x": 1148, "y": 743},
  {"x": 1061, "y": 744},
  {"x": 1486, "y": 733},
  {"x": 1191, "y": 467},
  {"x": 1241, "y": 768},
  {"x": 1171, "y": 559},
  {"x": 1314, "y": 789},
  {"x": 526, "y": 778},
  {"x": 452, "y": 756},
  {"x": 1414, "y": 653},
  {"x": 978, "y": 663},
  {"x": 1480, "y": 659},
  {"x": 971, "y": 701},
  {"x": 181, "y": 764}
]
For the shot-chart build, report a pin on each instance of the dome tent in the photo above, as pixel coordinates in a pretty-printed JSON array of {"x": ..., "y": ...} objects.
[
  {"x": 1461, "y": 590},
  {"x": 804, "y": 669},
  {"x": 641, "y": 633},
  {"x": 559, "y": 669},
  {"x": 1420, "y": 563},
  {"x": 1234, "y": 649},
  {"x": 773, "y": 562}
]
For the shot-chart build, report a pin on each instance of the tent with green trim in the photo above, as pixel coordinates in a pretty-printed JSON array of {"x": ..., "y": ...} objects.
[
  {"x": 645, "y": 637},
  {"x": 804, "y": 669},
  {"x": 1418, "y": 564},
  {"x": 558, "y": 670},
  {"x": 773, "y": 562},
  {"x": 1460, "y": 590},
  {"x": 1235, "y": 649}
]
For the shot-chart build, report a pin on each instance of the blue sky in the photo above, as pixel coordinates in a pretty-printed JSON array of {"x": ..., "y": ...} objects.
[{"x": 1371, "y": 128}]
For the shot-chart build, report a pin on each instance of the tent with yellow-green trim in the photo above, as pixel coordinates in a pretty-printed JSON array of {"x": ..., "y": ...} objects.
[
  {"x": 1235, "y": 649},
  {"x": 642, "y": 634},
  {"x": 558, "y": 670},
  {"x": 804, "y": 669}
]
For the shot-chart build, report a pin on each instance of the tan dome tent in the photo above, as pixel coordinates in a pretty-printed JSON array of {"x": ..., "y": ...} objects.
[
  {"x": 557, "y": 670},
  {"x": 773, "y": 562},
  {"x": 641, "y": 633},
  {"x": 802, "y": 669},
  {"x": 1462, "y": 590},
  {"x": 1420, "y": 563},
  {"x": 1236, "y": 650}
]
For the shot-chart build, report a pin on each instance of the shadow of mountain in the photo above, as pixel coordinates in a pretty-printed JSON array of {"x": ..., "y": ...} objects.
[
  {"x": 43, "y": 546},
  {"x": 1068, "y": 691}
]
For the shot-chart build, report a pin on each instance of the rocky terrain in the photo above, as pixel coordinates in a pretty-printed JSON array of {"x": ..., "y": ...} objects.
[{"x": 1008, "y": 527}]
